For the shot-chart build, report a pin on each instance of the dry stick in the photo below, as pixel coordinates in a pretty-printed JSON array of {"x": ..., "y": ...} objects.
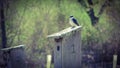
[
  {"x": 48, "y": 61},
  {"x": 114, "y": 61}
]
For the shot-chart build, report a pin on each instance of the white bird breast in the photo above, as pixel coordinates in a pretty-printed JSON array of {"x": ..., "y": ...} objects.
[{"x": 71, "y": 22}]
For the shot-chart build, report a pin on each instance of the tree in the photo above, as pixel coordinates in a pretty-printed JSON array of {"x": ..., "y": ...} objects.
[
  {"x": 2, "y": 21},
  {"x": 90, "y": 10}
]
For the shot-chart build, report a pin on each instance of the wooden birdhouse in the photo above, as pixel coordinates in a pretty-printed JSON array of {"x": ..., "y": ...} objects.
[
  {"x": 67, "y": 49},
  {"x": 13, "y": 57}
]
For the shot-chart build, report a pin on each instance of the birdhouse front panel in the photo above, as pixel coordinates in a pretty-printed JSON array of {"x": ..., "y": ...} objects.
[
  {"x": 58, "y": 54},
  {"x": 71, "y": 51}
]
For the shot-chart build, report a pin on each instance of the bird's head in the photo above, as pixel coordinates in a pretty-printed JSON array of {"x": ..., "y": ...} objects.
[{"x": 71, "y": 16}]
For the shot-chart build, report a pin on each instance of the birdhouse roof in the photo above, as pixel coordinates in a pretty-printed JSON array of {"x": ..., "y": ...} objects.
[
  {"x": 64, "y": 32},
  {"x": 14, "y": 47}
]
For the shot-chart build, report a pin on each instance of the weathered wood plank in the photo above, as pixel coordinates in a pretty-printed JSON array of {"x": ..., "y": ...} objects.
[
  {"x": 64, "y": 32},
  {"x": 5, "y": 49},
  {"x": 71, "y": 51},
  {"x": 58, "y": 55}
]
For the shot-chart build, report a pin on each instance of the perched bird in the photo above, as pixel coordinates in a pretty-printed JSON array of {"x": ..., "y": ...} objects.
[{"x": 73, "y": 22}]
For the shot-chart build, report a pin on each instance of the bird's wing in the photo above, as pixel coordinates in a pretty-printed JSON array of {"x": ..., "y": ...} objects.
[{"x": 75, "y": 21}]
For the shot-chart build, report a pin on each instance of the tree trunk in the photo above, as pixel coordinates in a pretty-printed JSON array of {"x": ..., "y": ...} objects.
[{"x": 2, "y": 21}]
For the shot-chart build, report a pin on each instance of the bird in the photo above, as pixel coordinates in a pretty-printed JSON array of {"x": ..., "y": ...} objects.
[{"x": 73, "y": 22}]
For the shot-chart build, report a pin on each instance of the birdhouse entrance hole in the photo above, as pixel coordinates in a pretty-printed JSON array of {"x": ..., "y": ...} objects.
[{"x": 58, "y": 48}]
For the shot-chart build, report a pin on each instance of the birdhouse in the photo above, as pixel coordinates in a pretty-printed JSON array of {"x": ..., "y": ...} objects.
[
  {"x": 67, "y": 48},
  {"x": 14, "y": 57}
]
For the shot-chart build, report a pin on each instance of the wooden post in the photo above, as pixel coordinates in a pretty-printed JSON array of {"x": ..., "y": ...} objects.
[
  {"x": 48, "y": 65},
  {"x": 114, "y": 61},
  {"x": 15, "y": 57},
  {"x": 67, "y": 49}
]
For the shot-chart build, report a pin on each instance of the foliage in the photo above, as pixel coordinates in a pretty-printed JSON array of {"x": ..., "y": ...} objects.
[{"x": 30, "y": 21}]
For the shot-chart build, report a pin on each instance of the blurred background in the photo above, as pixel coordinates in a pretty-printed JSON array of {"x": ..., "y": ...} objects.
[{"x": 28, "y": 22}]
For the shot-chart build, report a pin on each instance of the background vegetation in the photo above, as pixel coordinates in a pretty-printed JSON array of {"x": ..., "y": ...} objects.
[{"x": 28, "y": 22}]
